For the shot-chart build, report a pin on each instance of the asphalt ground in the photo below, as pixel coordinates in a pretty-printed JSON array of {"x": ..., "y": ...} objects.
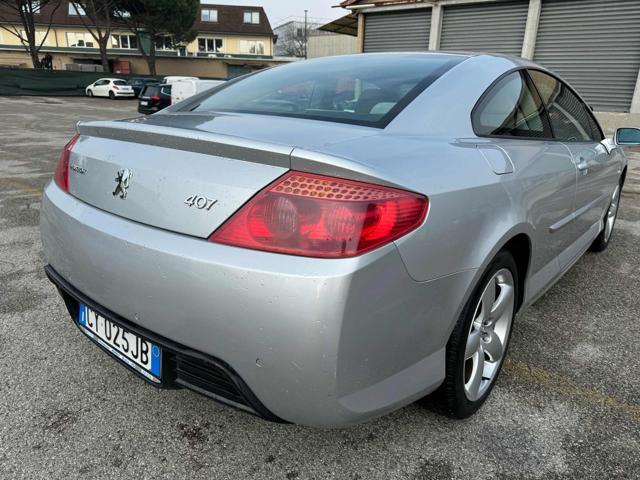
[{"x": 566, "y": 406}]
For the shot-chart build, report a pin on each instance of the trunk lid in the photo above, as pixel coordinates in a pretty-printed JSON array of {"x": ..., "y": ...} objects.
[{"x": 190, "y": 179}]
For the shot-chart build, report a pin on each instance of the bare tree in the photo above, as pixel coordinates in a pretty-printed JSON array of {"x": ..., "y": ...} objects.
[
  {"x": 292, "y": 41},
  {"x": 25, "y": 29},
  {"x": 156, "y": 21},
  {"x": 97, "y": 16}
]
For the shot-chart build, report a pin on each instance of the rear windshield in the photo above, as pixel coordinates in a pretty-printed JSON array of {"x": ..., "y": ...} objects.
[
  {"x": 150, "y": 90},
  {"x": 119, "y": 82},
  {"x": 362, "y": 89}
]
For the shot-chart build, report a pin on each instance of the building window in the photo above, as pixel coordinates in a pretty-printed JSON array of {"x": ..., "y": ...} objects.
[
  {"x": 252, "y": 17},
  {"x": 209, "y": 15},
  {"x": 83, "y": 39},
  {"x": 40, "y": 36},
  {"x": 210, "y": 45},
  {"x": 252, "y": 47},
  {"x": 164, "y": 43},
  {"x": 35, "y": 7},
  {"x": 75, "y": 9},
  {"x": 124, "y": 41}
]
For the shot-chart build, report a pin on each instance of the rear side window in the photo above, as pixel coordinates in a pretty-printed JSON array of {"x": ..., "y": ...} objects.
[
  {"x": 511, "y": 108},
  {"x": 150, "y": 91},
  {"x": 166, "y": 90},
  {"x": 570, "y": 118}
]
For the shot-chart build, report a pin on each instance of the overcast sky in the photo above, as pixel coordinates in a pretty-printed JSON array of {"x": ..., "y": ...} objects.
[{"x": 278, "y": 10}]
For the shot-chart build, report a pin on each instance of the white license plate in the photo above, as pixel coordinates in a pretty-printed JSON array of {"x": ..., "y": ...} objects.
[
  {"x": 140, "y": 354},
  {"x": 144, "y": 103}
]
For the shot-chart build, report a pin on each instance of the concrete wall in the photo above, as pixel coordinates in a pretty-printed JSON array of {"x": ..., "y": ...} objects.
[
  {"x": 191, "y": 66},
  {"x": 329, "y": 44}
]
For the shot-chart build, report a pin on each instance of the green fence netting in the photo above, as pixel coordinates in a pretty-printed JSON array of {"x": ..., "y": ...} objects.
[{"x": 29, "y": 81}]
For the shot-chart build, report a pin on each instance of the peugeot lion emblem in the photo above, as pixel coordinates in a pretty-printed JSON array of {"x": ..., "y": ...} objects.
[{"x": 124, "y": 181}]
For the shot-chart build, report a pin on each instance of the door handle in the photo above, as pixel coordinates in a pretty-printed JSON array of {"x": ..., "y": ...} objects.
[{"x": 583, "y": 166}]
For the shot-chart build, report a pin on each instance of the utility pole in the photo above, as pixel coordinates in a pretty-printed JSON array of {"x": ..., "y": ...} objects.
[{"x": 306, "y": 34}]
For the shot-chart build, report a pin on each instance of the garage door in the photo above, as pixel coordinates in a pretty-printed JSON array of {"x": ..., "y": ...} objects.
[
  {"x": 493, "y": 27},
  {"x": 397, "y": 31},
  {"x": 595, "y": 46}
]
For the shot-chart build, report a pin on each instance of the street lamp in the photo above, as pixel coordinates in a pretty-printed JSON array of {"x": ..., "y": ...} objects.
[{"x": 306, "y": 34}]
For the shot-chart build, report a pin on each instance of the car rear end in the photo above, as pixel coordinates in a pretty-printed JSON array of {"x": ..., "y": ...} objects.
[
  {"x": 154, "y": 98},
  {"x": 253, "y": 272},
  {"x": 121, "y": 89}
]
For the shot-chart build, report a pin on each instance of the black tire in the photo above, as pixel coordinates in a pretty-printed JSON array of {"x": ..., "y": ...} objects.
[
  {"x": 90, "y": 93},
  {"x": 451, "y": 396},
  {"x": 601, "y": 242},
  {"x": 112, "y": 96}
]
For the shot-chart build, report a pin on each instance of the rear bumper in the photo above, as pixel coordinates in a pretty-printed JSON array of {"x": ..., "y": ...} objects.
[
  {"x": 318, "y": 342},
  {"x": 148, "y": 110},
  {"x": 181, "y": 367}
]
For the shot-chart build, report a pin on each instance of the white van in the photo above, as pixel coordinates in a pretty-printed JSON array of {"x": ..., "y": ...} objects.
[
  {"x": 172, "y": 79},
  {"x": 182, "y": 89}
]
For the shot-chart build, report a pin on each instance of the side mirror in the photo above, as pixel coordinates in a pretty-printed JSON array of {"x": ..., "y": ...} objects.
[{"x": 627, "y": 136}]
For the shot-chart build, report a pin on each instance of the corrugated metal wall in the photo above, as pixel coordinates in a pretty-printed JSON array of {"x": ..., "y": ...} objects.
[
  {"x": 595, "y": 46},
  {"x": 397, "y": 31},
  {"x": 486, "y": 27}
]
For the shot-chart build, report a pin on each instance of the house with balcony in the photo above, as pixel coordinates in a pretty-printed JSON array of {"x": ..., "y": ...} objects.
[{"x": 231, "y": 41}]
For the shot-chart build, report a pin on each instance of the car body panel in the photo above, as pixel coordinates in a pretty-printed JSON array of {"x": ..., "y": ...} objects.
[
  {"x": 321, "y": 342},
  {"x": 228, "y": 302}
]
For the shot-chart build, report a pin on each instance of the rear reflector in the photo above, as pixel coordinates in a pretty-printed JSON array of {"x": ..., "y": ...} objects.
[
  {"x": 61, "y": 175},
  {"x": 317, "y": 216}
]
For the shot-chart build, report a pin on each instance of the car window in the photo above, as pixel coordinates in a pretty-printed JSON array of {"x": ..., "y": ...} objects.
[
  {"x": 119, "y": 82},
  {"x": 511, "y": 108},
  {"x": 364, "y": 90},
  {"x": 150, "y": 91},
  {"x": 570, "y": 119},
  {"x": 166, "y": 90}
]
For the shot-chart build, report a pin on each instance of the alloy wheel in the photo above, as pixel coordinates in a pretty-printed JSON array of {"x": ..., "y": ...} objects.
[
  {"x": 611, "y": 214},
  {"x": 488, "y": 334}
]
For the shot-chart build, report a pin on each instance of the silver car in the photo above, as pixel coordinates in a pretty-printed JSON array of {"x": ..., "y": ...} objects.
[{"x": 327, "y": 241}]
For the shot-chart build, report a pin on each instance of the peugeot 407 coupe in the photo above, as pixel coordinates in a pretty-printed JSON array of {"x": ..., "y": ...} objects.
[{"x": 327, "y": 241}]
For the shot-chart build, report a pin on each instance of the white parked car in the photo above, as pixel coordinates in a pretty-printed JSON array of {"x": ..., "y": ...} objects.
[
  {"x": 182, "y": 89},
  {"x": 110, "y": 87}
]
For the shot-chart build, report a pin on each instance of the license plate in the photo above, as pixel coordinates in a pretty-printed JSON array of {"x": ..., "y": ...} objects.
[
  {"x": 144, "y": 104},
  {"x": 140, "y": 354}
]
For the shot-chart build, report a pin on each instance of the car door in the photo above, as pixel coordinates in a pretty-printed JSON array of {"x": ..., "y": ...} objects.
[
  {"x": 542, "y": 183},
  {"x": 99, "y": 88},
  {"x": 572, "y": 123}
]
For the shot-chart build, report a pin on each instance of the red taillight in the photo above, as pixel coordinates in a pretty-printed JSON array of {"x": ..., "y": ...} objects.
[
  {"x": 317, "y": 216},
  {"x": 155, "y": 98},
  {"x": 61, "y": 175},
  {"x": 115, "y": 87}
]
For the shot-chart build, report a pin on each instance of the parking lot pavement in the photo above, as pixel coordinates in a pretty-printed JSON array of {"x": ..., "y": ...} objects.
[{"x": 566, "y": 406}]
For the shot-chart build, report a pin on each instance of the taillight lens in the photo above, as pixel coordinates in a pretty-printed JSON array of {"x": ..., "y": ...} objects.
[
  {"x": 61, "y": 175},
  {"x": 318, "y": 216},
  {"x": 155, "y": 98},
  {"x": 115, "y": 87}
]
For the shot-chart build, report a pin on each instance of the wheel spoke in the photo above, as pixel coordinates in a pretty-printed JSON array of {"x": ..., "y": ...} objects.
[
  {"x": 503, "y": 302},
  {"x": 486, "y": 302},
  {"x": 473, "y": 344},
  {"x": 493, "y": 346},
  {"x": 473, "y": 386}
]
